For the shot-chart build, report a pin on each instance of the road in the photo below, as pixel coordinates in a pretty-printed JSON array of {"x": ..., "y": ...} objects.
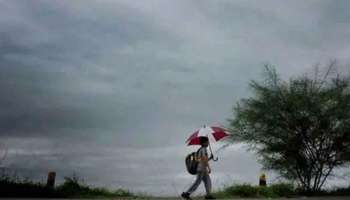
[{"x": 300, "y": 198}]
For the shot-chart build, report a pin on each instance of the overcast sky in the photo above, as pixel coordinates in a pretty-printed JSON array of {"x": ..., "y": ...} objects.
[{"x": 110, "y": 90}]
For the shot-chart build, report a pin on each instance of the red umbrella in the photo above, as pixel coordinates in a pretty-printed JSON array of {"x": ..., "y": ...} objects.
[{"x": 214, "y": 133}]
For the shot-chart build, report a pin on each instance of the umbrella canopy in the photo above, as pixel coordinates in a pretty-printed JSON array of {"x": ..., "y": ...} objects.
[{"x": 214, "y": 133}]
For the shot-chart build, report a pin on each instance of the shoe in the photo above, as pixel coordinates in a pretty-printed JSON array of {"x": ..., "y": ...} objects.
[
  {"x": 209, "y": 197},
  {"x": 186, "y": 196}
]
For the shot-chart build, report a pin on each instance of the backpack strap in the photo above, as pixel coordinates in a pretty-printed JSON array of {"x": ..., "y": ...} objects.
[{"x": 198, "y": 151}]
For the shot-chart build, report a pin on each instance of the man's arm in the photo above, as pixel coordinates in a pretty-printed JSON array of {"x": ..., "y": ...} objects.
[{"x": 207, "y": 164}]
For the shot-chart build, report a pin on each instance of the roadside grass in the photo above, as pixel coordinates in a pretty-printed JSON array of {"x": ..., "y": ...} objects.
[
  {"x": 336, "y": 191},
  {"x": 74, "y": 188},
  {"x": 340, "y": 191},
  {"x": 16, "y": 187},
  {"x": 247, "y": 190},
  {"x": 278, "y": 190},
  {"x": 71, "y": 188}
]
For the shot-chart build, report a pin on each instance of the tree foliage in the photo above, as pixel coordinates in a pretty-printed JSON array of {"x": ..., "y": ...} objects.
[{"x": 299, "y": 128}]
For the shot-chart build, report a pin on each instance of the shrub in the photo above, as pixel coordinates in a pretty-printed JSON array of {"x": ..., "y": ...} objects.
[
  {"x": 246, "y": 190},
  {"x": 72, "y": 187},
  {"x": 283, "y": 189},
  {"x": 15, "y": 187}
]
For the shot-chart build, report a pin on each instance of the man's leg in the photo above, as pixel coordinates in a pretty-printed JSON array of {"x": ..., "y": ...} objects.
[
  {"x": 207, "y": 183},
  {"x": 196, "y": 183}
]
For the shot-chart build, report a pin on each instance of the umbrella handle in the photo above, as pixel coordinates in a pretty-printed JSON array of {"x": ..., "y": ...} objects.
[
  {"x": 212, "y": 155},
  {"x": 214, "y": 159}
]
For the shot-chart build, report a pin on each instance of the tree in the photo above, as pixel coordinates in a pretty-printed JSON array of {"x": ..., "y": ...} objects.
[{"x": 299, "y": 128}]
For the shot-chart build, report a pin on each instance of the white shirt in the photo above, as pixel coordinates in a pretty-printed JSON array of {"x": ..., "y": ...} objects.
[{"x": 201, "y": 153}]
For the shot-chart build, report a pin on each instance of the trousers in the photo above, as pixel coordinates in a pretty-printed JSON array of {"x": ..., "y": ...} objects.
[{"x": 201, "y": 176}]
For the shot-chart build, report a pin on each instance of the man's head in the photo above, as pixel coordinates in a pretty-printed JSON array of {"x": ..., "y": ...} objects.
[{"x": 204, "y": 141}]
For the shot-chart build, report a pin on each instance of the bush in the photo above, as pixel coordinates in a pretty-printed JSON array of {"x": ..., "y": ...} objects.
[
  {"x": 246, "y": 190},
  {"x": 340, "y": 191},
  {"x": 72, "y": 187},
  {"x": 15, "y": 187},
  {"x": 283, "y": 190},
  {"x": 265, "y": 192}
]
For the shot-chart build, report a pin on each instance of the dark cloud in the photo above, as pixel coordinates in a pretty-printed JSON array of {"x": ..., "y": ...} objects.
[{"x": 86, "y": 84}]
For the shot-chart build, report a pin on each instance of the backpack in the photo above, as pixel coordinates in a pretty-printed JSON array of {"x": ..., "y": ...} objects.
[{"x": 191, "y": 162}]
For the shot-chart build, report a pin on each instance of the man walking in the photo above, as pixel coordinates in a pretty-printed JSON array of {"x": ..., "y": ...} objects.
[{"x": 203, "y": 171}]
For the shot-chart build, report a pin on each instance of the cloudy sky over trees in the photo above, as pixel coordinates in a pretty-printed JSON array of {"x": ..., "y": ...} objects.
[{"x": 111, "y": 89}]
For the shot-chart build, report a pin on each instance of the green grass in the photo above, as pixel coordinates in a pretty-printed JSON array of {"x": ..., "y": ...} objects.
[
  {"x": 340, "y": 191},
  {"x": 337, "y": 191},
  {"x": 274, "y": 191},
  {"x": 246, "y": 190},
  {"x": 74, "y": 188},
  {"x": 15, "y": 187},
  {"x": 71, "y": 188}
]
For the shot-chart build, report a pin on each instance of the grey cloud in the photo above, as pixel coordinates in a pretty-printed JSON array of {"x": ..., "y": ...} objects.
[{"x": 120, "y": 81}]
